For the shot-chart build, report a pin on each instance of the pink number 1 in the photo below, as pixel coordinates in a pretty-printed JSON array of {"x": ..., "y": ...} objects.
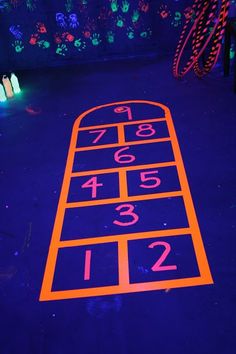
[
  {"x": 123, "y": 109},
  {"x": 158, "y": 267},
  {"x": 87, "y": 264}
]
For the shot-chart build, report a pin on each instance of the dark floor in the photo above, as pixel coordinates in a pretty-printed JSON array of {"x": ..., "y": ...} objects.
[{"x": 35, "y": 135}]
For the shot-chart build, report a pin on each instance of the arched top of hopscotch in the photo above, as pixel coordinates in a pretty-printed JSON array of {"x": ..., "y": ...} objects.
[{"x": 112, "y": 113}]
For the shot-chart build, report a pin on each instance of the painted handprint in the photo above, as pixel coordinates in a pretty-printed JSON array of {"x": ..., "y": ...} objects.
[
  {"x": 114, "y": 6},
  {"x": 15, "y": 30},
  {"x": 18, "y": 46},
  {"x": 125, "y": 6},
  {"x": 95, "y": 38},
  {"x": 110, "y": 37},
  {"x": 61, "y": 49},
  {"x": 120, "y": 21},
  {"x": 43, "y": 44},
  {"x": 130, "y": 33},
  {"x": 135, "y": 16},
  {"x": 61, "y": 19},
  {"x": 73, "y": 19},
  {"x": 79, "y": 44}
]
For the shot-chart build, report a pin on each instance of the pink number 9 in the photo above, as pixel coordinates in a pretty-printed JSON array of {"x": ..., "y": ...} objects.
[{"x": 123, "y": 109}]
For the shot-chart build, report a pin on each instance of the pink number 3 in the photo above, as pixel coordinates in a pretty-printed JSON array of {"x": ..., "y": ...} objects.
[
  {"x": 158, "y": 267},
  {"x": 128, "y": 212}
]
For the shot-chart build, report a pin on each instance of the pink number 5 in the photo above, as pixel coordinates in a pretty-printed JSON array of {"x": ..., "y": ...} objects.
[
  {"x": 156, "y": 181},
  {"x": 128, "y": 212},
  {"x": 157, "y": 267}
]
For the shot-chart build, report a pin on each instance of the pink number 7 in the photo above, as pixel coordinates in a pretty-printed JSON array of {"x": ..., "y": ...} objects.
[
  {"x": 101, "y": 133},
  {"x": 158, "y": 267}
]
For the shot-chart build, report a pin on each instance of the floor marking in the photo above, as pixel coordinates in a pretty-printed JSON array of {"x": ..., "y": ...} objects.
[{"x": 126, "y": 215}]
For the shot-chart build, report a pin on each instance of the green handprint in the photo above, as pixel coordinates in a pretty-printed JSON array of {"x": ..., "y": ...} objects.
[
  {"x": 130, "y": 33},
  {"x": 95, "y": 38},
  {"x": 125, "y": 6},
  {"x": 135, "y": 16},
  {"x": 120, "y": 21},
  {"x": 232, "y": 52},
  {"x": 110, "y": 37},
  {"x": 30, "y": 4},
  {"x": 61, "y": 49},
  {"x": 69, "y": 5},
  {"x": 114, "y": 6},
  {"x": 43, "y": 44},
  {"x": 79, "y": 44},
  {"x": 5, "y": 6},
  {"x": 177, "y": 19},
  {"x": 18, "y": 45},
  {"x": 146, "y": 34}
]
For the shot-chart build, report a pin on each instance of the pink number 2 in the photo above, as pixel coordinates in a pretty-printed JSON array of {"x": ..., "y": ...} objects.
[{"x": 158, "y": 267}]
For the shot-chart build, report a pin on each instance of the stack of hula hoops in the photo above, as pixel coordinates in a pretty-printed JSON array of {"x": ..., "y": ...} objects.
[{"x": 201, "y": 38}]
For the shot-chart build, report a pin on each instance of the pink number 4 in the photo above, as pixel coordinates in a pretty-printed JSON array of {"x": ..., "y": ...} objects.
[{"x": 92, "y": 183}]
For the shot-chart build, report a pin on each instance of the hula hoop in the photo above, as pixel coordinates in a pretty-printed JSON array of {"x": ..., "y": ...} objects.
[{"x": 200, "y": 43}]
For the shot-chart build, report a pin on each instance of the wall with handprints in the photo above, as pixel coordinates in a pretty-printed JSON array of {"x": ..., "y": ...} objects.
[{"x": 49, "y": 33}]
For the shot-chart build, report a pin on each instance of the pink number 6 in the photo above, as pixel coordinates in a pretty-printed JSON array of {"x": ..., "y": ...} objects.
[
  {"x": 125, "y": 158},
  {"x": 158, "y": 267}
]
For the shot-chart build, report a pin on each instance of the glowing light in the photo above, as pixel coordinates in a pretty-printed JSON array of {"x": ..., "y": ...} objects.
[
  {"x": 7, "y": 85},
  {"x": 15, "y": 83},
  {"x": 3, "y": 97}
]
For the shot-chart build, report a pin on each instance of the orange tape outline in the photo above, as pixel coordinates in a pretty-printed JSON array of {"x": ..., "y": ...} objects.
[{"x": 124, "y": 286}]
